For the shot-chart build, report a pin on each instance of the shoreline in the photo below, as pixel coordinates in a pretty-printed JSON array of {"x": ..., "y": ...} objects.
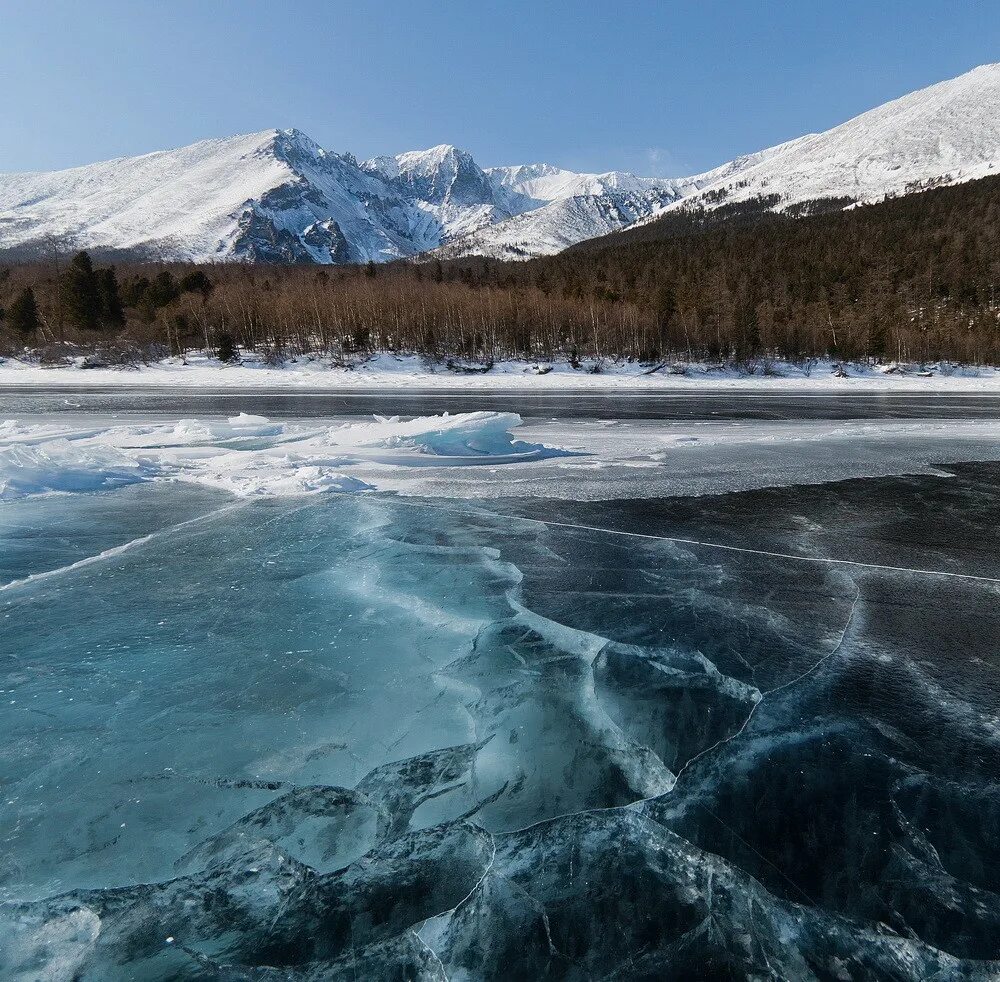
[{"x": 383, "y": 373}]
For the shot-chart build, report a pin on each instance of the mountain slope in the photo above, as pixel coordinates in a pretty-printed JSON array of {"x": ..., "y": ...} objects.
[
  {"x": 567, "y": 208},
  {"x": 273, "y": 195},
  {"x": 449, "y": 184},
  {"x": 181, "y": 194},
  {"x": 944, "y": 134},
  {"x": 557, "y": 225},
  {"x": 545, "y": 183}
]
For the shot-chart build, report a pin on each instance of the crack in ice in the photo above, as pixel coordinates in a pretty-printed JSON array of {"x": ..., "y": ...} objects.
[
  {"x": 112, "y": 552},
  {"x": 432, "y": 953},
  {"x": 771, "y": 554},
  {"x": 632, "y": 805},
  {"x": 482, "y": 879},
  {"x": 770, "y": 692},
  {"x": 551, "y": 523}
]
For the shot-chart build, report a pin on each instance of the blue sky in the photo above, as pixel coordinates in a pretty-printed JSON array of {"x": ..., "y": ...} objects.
[{"x": 657, "y": 87}]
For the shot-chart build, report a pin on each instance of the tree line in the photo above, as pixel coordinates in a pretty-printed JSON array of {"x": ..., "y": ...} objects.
[{"x": 914, "y": 278}]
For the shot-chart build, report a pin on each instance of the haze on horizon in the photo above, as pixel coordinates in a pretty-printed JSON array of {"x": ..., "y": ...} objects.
[{"x": 660, "y": 89}]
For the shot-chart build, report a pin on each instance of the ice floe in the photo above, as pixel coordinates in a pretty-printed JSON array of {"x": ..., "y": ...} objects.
[{"x": 252, "y": 455}]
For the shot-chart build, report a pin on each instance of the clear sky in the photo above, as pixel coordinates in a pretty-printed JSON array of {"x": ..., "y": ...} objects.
[{"x": 661, "y": 88}]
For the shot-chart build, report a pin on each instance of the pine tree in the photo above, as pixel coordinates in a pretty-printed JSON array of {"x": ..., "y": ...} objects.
[
  {"x": 23, "y": 313},
  {"x": 81, "y": 296},
  {"x": 134, "y": 291},
  {"x": 163, "y": 290},
  {"x": 227, "y": 347},
  {"x": 665, "y": 310},
  {"x": 196, "y": 281},
  {"x": 112, "y": 312}
]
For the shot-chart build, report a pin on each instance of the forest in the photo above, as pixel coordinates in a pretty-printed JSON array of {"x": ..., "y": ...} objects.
[{"x": 912, "y": 279}]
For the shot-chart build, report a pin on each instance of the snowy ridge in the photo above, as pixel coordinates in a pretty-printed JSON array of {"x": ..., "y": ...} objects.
[
  {"x": 545, "y": 183},
  {"x": 271, "y": 195},
  {"x": 183, "y": 194},
  {"x": 944, "y": 134},
  {"x": 276, "y": 196},
  {"x": 576, "y": 207},
  {"x": 448, "y": 184},
  {"x": 569, "y": 208}
]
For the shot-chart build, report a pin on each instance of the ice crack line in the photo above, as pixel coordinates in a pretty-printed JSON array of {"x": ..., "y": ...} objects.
[
  {"x": 632, "y": 806},
  {"x": 432, "y": 953},
  {"x": 486, "y": 872},
  {"x": 728, "y": 548},
  {"x": 112, "y": 552},
  {"x": 465, "y": 899},
  {"x": 770, "y": 692},
  {"x": 774, "y": 555}
]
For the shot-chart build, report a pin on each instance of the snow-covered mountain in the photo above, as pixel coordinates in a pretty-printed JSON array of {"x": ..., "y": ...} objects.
[
  {"x": 558, "y": 224},
  {"x": 276, "y": 196},
  {"x": 944, "y": 134},
  {"x": 448, "y": 183},
  {"x": 567, "y": 208},
  {"x": 269, "y": 196}
]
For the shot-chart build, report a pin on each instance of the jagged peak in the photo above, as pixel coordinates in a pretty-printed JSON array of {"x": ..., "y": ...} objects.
[
  {"x": 442, "y": 162},
  {"x": 294, "y": 141},
  {"x": 434, "y": 159},
  {"x": 512, "y": 173},
  {"x": 383, "y": 165}
]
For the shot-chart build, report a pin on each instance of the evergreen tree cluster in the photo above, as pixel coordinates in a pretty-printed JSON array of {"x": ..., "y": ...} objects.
[
  {"x": 148, "y": 295},
  {"x": 89, "y": 297}
]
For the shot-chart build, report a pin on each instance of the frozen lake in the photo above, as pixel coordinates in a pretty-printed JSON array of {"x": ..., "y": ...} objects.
[{"x": 630, "y": 687}]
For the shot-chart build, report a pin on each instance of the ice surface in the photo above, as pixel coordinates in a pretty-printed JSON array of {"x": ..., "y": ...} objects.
[
  {"x": 475, "y": 455},
  {"x": 371, "y": 735}
]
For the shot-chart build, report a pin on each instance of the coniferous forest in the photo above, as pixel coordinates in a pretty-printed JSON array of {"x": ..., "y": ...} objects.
[{"x": 915, "y": 278}]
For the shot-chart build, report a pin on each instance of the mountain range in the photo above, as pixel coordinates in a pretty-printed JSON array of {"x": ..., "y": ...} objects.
[{"x": 276, "y": 196}]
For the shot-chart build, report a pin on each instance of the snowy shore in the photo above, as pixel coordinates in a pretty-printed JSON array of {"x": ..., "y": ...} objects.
[{"x": 414, "y": 372}]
